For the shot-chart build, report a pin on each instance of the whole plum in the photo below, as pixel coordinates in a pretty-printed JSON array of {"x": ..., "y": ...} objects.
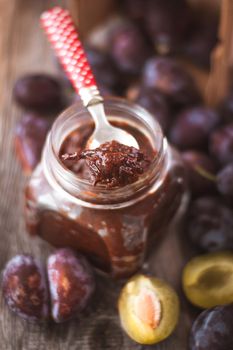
[
  {"x": 225, "y": 181},
  {"x": 168, "y": 76},
  {"x": 193, "y": 126},
  {"x": 167, "y": 22},
  {"x": 129, "y": 49},
  {"x": 155, "y": 102},
  {"x": 202, "y": 39},
  {"x": 39, "y": 92},
  {"x": 212, "y": 330},
  {"x": 135, "y": 9},
  {"x": 103, "y": 68},
  {"x": 221, "y": 144},
  {"x": 210, "y": 224},
  {"x": 201, "y": 171}
]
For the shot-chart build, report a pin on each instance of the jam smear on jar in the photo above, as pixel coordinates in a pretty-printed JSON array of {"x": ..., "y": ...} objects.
[{"x": 112, "y": 164}]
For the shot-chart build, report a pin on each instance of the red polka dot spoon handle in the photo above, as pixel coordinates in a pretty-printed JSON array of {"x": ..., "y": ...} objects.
[{"x": 64, "y": 38}]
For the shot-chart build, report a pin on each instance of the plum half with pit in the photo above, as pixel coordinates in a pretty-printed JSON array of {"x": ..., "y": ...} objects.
[
  {"x": 193, "y": 126},
  {"x": 210, "y": 224},
  {"x": 213, "y": 329},
  {"x": 169, "y": 77},
  {"x": 149, "y": 309},
  {"x": 71, "y": 283},
  {"x": 25, "y": 289}
]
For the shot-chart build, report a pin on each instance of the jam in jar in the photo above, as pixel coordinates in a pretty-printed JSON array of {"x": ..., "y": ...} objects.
[{"x": 112, "y": 225}]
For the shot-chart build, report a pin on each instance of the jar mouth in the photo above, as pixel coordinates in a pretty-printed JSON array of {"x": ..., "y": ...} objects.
[{"x": 116, "y": 109}]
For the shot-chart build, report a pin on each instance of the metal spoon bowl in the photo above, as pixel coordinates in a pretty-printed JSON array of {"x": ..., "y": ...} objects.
[{"x": 105, "y": 132}]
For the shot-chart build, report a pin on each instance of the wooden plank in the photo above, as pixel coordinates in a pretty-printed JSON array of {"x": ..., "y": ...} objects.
[
  {"x": 221, "y": 58},
  {"x": 88, "y": 13},
  {"x": 24, "y": 48}
]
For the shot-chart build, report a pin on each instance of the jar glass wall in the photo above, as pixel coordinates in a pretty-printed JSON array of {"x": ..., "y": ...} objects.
[{"x": 113, "y": 227}]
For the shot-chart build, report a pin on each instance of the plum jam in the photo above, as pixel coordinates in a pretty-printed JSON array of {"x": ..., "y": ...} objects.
[
  {"x": 111, "y": 164},
  {"x": 111, "y": 219}
]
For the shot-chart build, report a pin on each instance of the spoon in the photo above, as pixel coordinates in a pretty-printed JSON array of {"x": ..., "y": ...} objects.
[{"x": 64, "y": 38}]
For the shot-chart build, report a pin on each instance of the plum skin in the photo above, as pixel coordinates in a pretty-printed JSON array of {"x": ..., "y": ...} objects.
[
  {"x": 71, "y": 284},
  {"x": 38, "y": 92},
  {"x": 25, "y": 288},
  {"x": 213, "y": 329}
]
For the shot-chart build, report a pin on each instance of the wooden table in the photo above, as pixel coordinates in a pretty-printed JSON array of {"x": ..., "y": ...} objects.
[{"x": 23, "y": 48}]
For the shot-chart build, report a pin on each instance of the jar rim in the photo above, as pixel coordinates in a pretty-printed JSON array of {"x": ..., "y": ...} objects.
[{"x": 75, "y": 185}]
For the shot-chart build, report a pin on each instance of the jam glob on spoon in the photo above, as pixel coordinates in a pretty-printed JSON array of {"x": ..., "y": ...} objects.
[{"x": 112, "y": 164}]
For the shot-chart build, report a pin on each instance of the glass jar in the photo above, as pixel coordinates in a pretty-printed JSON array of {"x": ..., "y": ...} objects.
[{"x": 113, "y": 227}]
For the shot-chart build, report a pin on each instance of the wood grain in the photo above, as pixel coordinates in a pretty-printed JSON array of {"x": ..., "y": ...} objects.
[
  {"x": 24, "y": 48},
  {"x": 221, "y": 58}
]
